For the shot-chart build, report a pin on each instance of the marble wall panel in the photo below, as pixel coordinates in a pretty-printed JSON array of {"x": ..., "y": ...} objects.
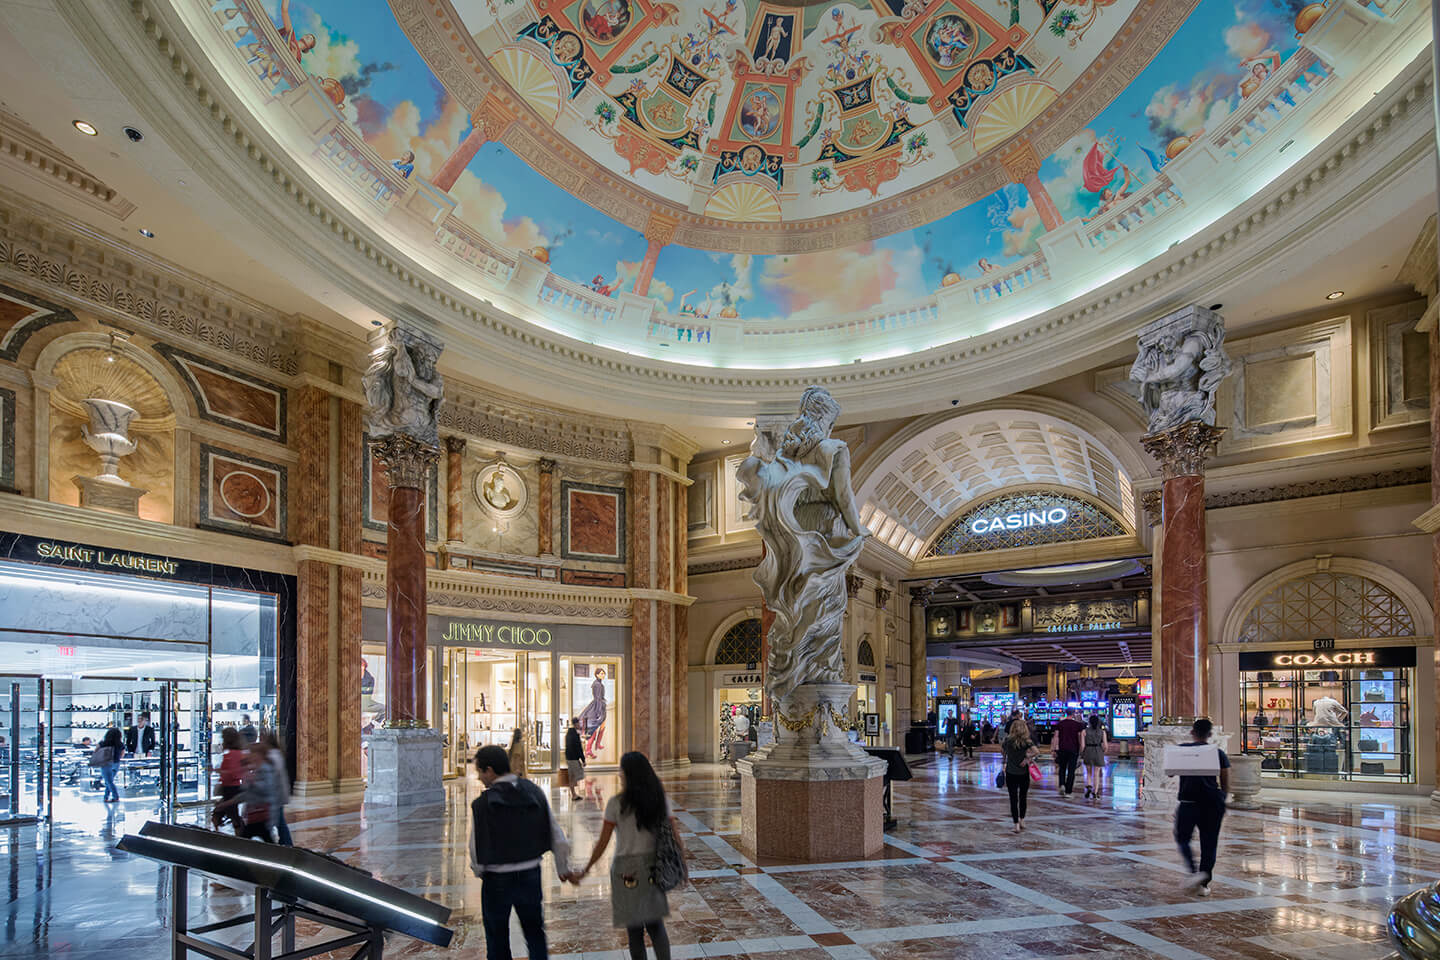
[
  {"x": 151, "y": 467},
  {"x": 310, "y": 494},
  {"x": 735, "y": 509},
  {"x": 21, "y": 315},
  {"x": 701, "y": 519},
  {"x": 484, "y": 529},
  {"x": 592, "y": 522},
  {"x": 7, "y": 439},
  {"x": 664, "y": 680},
  {"x": 232, "y": 397},
  {"x": 242, "y": 494},
  {"x": 642, "y": 675},
  {"x": 1293, "y": 386},
  {"x": 1400, "y": 366},
  {"x": 312, "y": 680},
  {"x": 1281, "y": 392}
]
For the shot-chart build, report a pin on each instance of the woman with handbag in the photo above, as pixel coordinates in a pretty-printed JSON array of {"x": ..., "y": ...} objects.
[
  {"x": 109, "y": 761},
  {"x": 647, "y": 846},
  {"x": 1019, "y": 751}
]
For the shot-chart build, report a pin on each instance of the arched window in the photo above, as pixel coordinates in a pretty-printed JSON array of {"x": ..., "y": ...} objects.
[
  {"x": 865, "y": 654},
  {"x": 741, "y": 643},
  {"x": 1024, "y": 520},
  {"x": 1327, "y": 604}
]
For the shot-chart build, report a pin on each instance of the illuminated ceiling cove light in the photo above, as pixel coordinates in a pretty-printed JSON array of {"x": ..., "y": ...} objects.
[
  {"x": 86, "y": 128},
  {"x": 1335, "y": 296}
]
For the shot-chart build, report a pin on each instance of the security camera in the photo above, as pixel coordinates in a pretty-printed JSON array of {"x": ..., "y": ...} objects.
[
  {"x": 954, "y": 403},
  {"x": 135, "y": 135}
]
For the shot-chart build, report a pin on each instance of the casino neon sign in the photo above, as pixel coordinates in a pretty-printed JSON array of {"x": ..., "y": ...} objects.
[{"x": 1020, "y": 520}]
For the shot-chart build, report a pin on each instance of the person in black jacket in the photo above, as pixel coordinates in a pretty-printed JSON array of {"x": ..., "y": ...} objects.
[
  {"x": 140, "y": 739},
  {"x": 512, "y": 827},
  {"x": 575, "y": 757}
]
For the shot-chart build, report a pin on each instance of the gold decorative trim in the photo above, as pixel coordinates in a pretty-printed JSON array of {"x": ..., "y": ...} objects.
[{"x": 796, "y": 724}]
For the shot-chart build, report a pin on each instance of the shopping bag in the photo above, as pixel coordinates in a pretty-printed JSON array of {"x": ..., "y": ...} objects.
[
  {"x": 1000, "y": 779},
  {"x": 563, "y": 778},
  {"x": 1035, "y": 772},
  {"x": 1191, "y": 760}
]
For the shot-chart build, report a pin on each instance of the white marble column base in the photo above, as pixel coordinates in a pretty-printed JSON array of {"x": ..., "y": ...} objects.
[{"x": 406, "y": 767}]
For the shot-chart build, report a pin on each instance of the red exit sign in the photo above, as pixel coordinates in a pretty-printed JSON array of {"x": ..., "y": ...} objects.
[{"x": 65, "y": 651}]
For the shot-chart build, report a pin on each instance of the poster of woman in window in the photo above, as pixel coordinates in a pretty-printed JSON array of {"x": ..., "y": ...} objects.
[{"x": 591, "y": 705}]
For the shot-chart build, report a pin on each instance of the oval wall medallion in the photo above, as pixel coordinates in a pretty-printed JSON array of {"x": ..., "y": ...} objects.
[{"x": 500, "y": 490}]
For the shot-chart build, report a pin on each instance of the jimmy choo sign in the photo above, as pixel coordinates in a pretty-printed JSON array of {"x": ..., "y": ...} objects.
[{"x": 472, "y": 632}]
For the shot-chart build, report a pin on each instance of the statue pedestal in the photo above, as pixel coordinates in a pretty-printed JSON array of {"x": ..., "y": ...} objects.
[
  {"x": 813, "y": 794},
  {"x": 1156, "y": 789},
  {"x": 1244, "y": 781},
  {"x": 109, "y": 495},
  {"x": 406, "y": 767}
]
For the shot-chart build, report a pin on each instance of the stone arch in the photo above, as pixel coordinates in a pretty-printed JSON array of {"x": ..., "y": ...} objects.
[
  {"x": 1414, "y": 599},
  {"x": 1127, "y": 524},
  {"x": 724, "y": 627}
]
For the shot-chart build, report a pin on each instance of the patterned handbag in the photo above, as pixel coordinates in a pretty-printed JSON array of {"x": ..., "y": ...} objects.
[{"x": 670, "y": 870}]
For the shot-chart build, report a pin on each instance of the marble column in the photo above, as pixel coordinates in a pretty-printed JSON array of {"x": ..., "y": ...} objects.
[
  {"x": 543, "y": 507},
  {"x": 659, "y": 231},
  {"x": 1153, "y": 503},
  {"x": 454, "y": 489},
  {"x": 1184, "y": 599},
  {"x": 882, "y": 660},
  {"x": 919, "y": 598},
  {"x": 408, "y": 463}
]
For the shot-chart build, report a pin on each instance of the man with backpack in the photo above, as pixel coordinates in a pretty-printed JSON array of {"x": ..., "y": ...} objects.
[{"x": 512, "y": 828}]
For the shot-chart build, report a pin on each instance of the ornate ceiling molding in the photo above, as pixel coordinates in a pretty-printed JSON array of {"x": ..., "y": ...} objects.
[
  {"x": 23, "y": 149},
  {"x": 1381, "y": 144},
  {"x": 438, "y": 34},
  {"x": 85, "y": 268},
  {"x": 535, "y": 427}
]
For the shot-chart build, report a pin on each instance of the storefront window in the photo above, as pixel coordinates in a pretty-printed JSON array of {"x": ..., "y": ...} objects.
[
  {"x": 590, "y": 689},
  {"x": 539, "y": 709},
  {"x": 1339, "y": 723}
]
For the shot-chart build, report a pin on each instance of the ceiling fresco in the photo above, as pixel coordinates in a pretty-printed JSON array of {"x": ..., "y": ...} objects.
[{"x": 713, "y": 127}]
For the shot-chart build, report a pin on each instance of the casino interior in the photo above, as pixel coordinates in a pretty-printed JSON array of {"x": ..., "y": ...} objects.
[{"x": 381, "y": 376}]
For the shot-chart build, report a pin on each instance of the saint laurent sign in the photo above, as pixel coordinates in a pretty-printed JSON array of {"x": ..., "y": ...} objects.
[{"x": 96, "y": 557}]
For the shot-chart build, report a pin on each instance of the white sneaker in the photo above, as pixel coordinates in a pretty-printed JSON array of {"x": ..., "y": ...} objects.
[{"x": 1203, "y": 890}]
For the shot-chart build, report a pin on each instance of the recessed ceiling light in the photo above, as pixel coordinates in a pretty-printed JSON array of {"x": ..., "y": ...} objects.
[
  {"x": 147, "y": 234},
  {"x": 376, "y": 323},
  {"x": 725, "y": 442},
  {"x": 1335, "y": 296},
  {"x": 86, "y": 128},
  {"x": 1216, "y": 306}
]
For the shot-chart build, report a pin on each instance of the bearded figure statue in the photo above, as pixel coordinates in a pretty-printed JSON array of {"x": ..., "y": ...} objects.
[
  {"x": 1180, "y": 365},
  {"x": 403, "y": 389},
  {"x": 800, "y": 496}
]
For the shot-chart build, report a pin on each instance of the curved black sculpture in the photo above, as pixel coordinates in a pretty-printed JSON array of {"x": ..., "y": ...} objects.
[{"x": 1415, "y": 924}]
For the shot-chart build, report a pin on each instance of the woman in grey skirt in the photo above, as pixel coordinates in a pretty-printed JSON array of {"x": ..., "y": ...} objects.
[
  {"x": 634, "y": 816},
  {"x": 1094, "y": 756}
]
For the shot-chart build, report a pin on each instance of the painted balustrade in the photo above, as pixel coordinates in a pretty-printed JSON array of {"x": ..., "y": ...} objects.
[
  {"x": 1297, "y": 81},
  {"x": 1003, "y": 281},
  {"x": 259, "y": 45},
  {"x": 576, "y": 299},
  {"x": 462, "y": 242},
  {"x": 1132, "y": 212},
  {"x": 342, "y": 149}
]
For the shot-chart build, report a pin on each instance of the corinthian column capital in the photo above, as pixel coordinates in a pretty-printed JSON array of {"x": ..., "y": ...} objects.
[
  {"x": 407, "y": 461},
  {"x": 1182, "y": 451}
]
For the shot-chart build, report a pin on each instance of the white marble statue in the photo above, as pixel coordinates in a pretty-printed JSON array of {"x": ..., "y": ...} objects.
[
  {"x": 403, "y": 388},
  {"x": 805, "y": 512},
  {"x": 1180, "y": 365}
]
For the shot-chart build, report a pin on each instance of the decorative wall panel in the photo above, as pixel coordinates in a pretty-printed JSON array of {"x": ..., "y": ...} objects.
[
  {"x": 225, "y": 395},
  {"x": 242, "y": 494},
  {"x": 735, "y": 508},
  {"x": 1288, "y": 387},
  {"x": 7, "y": 439},
  {"x": 1400, "y": 366},
  {"x": 592, "y": 522},
  {"x": 21, "y": 315},
  {"x": 700, "y": 519}
]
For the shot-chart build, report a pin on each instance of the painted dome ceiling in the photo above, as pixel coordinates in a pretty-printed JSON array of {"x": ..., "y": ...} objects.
[{"x": 757, "y": 183}]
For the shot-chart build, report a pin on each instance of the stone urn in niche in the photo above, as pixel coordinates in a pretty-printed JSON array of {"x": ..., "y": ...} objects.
[{"x": 108, "y": 434}]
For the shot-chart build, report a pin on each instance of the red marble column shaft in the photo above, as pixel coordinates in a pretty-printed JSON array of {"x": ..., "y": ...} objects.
[
  {"x": 351, "y": 454},
  {"x": 456, "y": 163},
  {"x": 642, "y": 628},
  {"x": 405, "y": 607},
  {"x": 454, "y": 493},
  {"x": 1183, "y": 600},
  {"x": 543, "y": 506},
  {"x": 681, "y": 697},
  {"x": 312, "y": 708},
  {"x": 1434, "y": 334}
]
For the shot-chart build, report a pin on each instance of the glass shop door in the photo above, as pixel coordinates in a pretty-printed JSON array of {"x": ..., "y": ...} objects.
[{"x": 23, "y": 759}]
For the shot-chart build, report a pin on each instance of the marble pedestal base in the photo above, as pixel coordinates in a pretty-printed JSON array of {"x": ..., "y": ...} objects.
[
  {"x": 109, "y": 495},
  {"x": 812, "y": 794},
  {"x": 1156, "y": 789},
  {"x": 1245, "y": 781},
  {"x": 406, "y": 767}
]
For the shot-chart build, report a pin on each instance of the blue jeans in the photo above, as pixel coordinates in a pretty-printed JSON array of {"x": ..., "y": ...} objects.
[
  {"x": 499, "y": 893},
  {"x": 282, "y": 830},
  {"x": 107, "y": 775}
]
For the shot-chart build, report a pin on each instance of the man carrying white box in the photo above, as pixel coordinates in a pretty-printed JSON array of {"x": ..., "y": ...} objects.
[{"x": 1204, "y": 773}]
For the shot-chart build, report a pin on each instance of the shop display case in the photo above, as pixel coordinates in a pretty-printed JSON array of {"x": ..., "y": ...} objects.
[{"x": 1334, "y": 724}]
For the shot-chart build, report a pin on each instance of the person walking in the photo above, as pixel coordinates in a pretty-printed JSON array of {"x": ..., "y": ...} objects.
[
  {"x": 276, "y": 756},
  {"x": 517, "y": 753},
  {"x": 635, "y": 817},
  {"x": 512, "y": 828},
  {"x": 574, "y": 757},
  {"x": 113, "y": 745},
  {"x": 247, "y": 729},
  {"x": 952, "y": 728},
  {"x": 259, "y": 794},
  {"x": 970, "y": 737},
  {"x": 1019, "y": 751},
  {"x": 987, "y": 732},
  {"x": 1201, "y": 807},
  {"x": 1093, "y": 755},
  {"x": 232, "y": 777},
  {"x": 1067, "y": 750}
]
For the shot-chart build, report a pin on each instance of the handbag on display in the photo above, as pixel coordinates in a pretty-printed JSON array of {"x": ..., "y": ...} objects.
[
  {"x": 1265, "y": 676},
  {"x": 1369, "y": 746},
  {"x": 1373, "y": 675},
  {"x": 1375, "y": 695},
  {"x": 670, "y": 871},
  {"x": 1329, "y": 676},
  {"x": 1372, "y": 768},
  {"x": 1270, "y": 763},
  {"x": 1261, "y": 720}
]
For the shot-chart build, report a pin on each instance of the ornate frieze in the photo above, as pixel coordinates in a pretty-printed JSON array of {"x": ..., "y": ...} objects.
[
  {"x": 1319, "y": 488},
  {"x": 536, "y": 428}
]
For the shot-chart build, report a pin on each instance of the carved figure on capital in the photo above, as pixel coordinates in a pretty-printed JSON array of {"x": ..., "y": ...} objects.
[
  {"x": 403, "y": 388},
  {"x": 1179, "y": 368},
  {"x": 804, "y": 508}
]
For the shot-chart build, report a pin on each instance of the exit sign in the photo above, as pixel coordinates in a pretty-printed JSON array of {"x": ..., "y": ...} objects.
[
  {"x": 1325, "y": 643},
  {"x": 65, "y": 651}
]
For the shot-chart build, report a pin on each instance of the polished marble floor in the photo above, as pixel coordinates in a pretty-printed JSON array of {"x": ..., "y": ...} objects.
[{"x": 1305, "y": 876}]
